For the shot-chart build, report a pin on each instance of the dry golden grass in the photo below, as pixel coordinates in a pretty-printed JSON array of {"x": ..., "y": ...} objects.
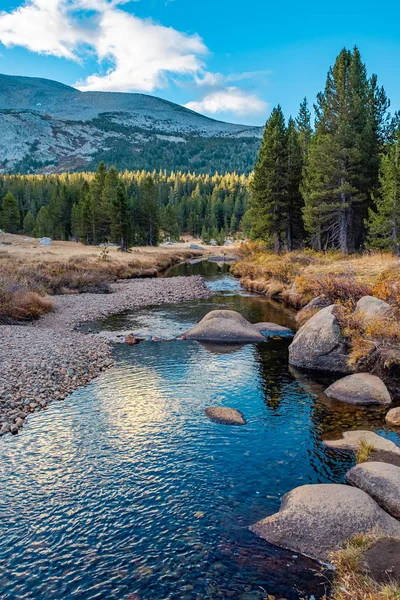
[
  {"x": 351, "y": 582},
  {"x": 364, "y": 451},
  {"x": 30, "y": 272},
  {"x": 298, "y": 277}
]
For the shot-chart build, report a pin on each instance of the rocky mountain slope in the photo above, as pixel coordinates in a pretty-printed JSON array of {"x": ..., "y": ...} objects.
[{"x": 46, "y": 126}]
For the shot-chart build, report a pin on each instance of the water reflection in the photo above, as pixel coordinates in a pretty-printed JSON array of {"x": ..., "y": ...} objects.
[{"x": 126, "y": 490}]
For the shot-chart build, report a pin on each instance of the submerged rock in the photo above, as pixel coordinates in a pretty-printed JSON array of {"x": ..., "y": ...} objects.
[
  {"x": 380, "y": 481},
  {"x": 225, "y": 326},
  {"x": 360, "y": 388},
  {"x": 351, "y": 441},
  {"x": 316, "y": 520},
  {"x": 393, "y": 417},
  {"x": 373, "y": 308},
  {"x": 320, "y": 344},
  {"x": 225, "y": 415},
  {"x": 273, "y": 329},
  {"x": 131, "y": 340},
  {"x": 382, "y": 561}
]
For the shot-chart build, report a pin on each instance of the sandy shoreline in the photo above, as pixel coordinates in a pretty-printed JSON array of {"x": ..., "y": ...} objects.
[{"x": 47, "y": 360}]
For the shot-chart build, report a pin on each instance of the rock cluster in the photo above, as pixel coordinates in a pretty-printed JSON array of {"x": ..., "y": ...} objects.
[{"x": 318, "y": 519}]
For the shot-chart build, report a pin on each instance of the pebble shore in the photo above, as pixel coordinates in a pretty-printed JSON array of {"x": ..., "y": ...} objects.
[{"x": 47, "y": 360}]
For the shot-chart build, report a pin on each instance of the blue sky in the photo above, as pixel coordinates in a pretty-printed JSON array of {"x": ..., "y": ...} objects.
[{"x": 229, "y": 59}]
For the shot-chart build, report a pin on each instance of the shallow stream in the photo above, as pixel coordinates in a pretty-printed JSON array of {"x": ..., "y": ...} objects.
[{"x": 127, "y": 491}]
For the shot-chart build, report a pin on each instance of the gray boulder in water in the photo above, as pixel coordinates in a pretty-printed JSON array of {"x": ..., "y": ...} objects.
[
  {"x": 360, "y": 388},
  {"x": 320, "y": 344},
  {"x": 224, "y": 326},
  {"x": 316, "y": 520},
  {"x": 227, "y": 326}
]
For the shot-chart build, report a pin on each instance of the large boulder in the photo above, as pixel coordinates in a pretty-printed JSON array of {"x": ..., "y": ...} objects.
[
  {"x": 360, "y": 388},
  {"x": 373, "y": 308},
  {"x": 316, "y": 520},
  {"x": 225, "y": 326},
  {"x": 225, "y": 415},
  {"x": 351, "y": 441},
  {"x": 320, "y": 344},
  {"x": 393, "y": 417},
  {"x": 380, "y": 481}
]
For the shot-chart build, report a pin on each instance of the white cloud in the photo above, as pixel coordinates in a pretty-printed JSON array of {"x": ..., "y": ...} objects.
[
  {"x": 231, "y": 99},
  {"x": 140, "y": 54},
  {"x": 134, "y": 54},
  {"x": 42, "y": 26}
]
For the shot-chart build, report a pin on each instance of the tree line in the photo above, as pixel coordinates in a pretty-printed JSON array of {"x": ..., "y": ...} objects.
[
  {"x": 335, "y": 185},
  {"x": 129, "y": 208}
]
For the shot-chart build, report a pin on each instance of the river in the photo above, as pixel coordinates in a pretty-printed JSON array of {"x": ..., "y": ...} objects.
[{"x": 127, "y": 491}]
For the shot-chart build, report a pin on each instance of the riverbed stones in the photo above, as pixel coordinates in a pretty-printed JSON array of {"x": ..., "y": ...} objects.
[
  {"x": 225, "y": 415},
  {"x": 393, "y": 417},
  {"x": 316, "y": 520},
  {"x": 351, "y": 442},
  {"x": 47, "y": 360},
  {"x": 319, "y": 344},
  {"x": 379, "y": 480},
  {"x": 225, "y": 326},
  {"x": 360, "y": 388},
  {"x": 371, "y": 308}
]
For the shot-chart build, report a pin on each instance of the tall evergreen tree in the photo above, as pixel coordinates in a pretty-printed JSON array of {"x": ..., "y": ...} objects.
[
  {"x": 304, "y": 128},
  {"x": 269, "y": 191},
  {"x": 342, "y": 163},
  {"x": 120, "y": 218},
  {"x": 9, "y": 215},
  {"x": 384, "y": 223},
  {"x": 294, "y": 203},
  {"x": 29, "y": 223},
  {"x": 43, "y": 226}
]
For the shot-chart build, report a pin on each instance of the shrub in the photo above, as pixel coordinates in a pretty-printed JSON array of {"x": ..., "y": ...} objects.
[
  {"x": 387, "y": 286},
  {"x": 19, "y": 303},
  {"x": 343, "y": 288}
]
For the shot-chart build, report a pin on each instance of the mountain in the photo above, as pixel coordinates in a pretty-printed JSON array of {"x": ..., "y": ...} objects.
[{"x": 47, "y": 127}]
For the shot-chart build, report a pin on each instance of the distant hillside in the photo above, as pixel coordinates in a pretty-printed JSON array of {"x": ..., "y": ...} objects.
[{"x": 46, "y": 126}]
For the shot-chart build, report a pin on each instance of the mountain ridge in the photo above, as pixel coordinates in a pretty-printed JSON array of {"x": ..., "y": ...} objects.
[{"x": 47, "y": 126}]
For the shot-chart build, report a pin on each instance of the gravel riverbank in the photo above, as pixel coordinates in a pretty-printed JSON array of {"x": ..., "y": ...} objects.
[{"x": 47, "y": 360}]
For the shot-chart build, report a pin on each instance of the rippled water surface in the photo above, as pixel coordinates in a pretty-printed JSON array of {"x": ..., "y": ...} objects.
[{"x": 126, "y": 490}]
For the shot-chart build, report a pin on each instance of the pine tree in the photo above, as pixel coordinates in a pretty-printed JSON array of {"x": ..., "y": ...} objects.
[
  {"x": 384, "y": 223},
  {"x": 43, "y": 226},
  {"x": 148, "y": 213},
  {"x": 9, "y": 215},
  {"x": 29, "y": 223},
  {"x": 95, "y": 199},
  {"x": 295, "y": 203},
  {"x": 304, "y": 129},
  {"x": 341, "y": 168},
  {"x": 269, "y": 193},
  {"x": 109, "y": 188},
  {"x": 120, "y": 218}
]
